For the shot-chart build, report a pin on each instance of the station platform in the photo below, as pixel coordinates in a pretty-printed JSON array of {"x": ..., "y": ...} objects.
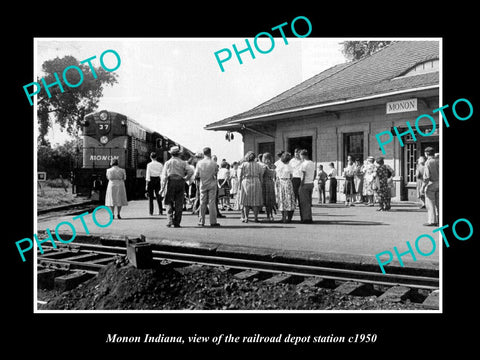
[{"x": 342, "y": 234}]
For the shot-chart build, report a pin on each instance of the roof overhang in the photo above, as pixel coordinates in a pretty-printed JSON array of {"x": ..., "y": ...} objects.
[{"x": 334, "y": 106}]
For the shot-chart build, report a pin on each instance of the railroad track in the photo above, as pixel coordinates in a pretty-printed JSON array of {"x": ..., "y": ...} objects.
[
  {"x": 81, "y": 261},
  {"x": 69, "y": 209}
]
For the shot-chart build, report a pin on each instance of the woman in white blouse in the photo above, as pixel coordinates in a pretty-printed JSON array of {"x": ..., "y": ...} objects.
[
  {"x": 285, "y": 194},
  {"x": 223, "y": 177}
]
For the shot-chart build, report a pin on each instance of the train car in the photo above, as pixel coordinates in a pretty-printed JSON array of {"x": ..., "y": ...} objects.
[{"x": 109, "y": 135}]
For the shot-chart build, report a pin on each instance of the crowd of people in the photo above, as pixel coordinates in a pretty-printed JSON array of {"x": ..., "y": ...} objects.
[{"x": 257, "y": 184}]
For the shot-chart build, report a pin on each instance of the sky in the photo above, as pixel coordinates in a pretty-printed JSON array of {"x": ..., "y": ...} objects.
[{"x": 175, "y": 86}]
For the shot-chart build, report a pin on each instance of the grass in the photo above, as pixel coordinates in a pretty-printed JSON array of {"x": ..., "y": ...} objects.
[{"x": 54, "y": 192}]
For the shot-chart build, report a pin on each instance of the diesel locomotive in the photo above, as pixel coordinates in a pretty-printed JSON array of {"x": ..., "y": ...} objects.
[{"x": 109, "y": 135}]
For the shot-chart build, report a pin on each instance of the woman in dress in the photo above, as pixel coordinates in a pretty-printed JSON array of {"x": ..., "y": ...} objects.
[
  {"x": 349, "y": 189},
  {"x": 285, "y": 194},
  {"x": 369, "y": 171},
  {"x": 268, "y": 187},
  {"x": 116, "y": 195},
  {"x": 358, "y": 180},
  {"x": 383, "y": 190},
  {"x": 234, "y": 184},
  {"x": 190, "y": 186},
  {"x": 223, "y": 178},
  {"x": 419, "y": 175},
  {"x": 196, "y": 184},
  {"x": 250, "y": 177}
]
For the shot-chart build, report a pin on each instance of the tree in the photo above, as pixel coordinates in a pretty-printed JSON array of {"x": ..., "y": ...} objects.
[
  {"x": 68, "y": 108},
  {"x": 356, "y": 50},
  {"x": 58, "y": 160}
]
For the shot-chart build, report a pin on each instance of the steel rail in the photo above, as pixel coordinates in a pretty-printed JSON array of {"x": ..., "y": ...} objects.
[
  {"x": 85, "y": 204},
  {"x": 303, "y": 270},
  {"x": 412, "y": 281}
]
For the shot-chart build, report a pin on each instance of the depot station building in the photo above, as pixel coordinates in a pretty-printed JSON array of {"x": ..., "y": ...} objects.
[{"x": 340, "y": 111}]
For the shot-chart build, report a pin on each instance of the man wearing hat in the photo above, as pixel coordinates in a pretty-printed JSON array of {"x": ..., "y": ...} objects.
[
  {"x": 431, "y": 178},
  {"x": 175, "y": 172}
]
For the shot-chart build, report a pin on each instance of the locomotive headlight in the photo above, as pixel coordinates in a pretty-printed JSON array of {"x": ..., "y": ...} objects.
[
  {"x": 103, "y": 115},
  {"x": 104, "y": 140}
]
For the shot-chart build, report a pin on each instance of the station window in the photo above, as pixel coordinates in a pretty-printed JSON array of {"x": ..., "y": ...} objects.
[
  {"x": 412, "y": 151},
  {"x": 411, "y": 162},
  {"x": 303, "y": 142},
  {"x": 266, "y": 147},
  {"x": 353, "y": 146}
]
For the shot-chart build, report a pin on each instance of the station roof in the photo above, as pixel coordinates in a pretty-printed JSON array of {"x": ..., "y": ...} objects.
[{"x": 379, "y": 73}]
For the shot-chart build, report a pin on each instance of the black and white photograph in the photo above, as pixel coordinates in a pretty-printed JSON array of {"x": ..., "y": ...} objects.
[
  {"x": 273, "y": 186},
  {"x": 303, "y": 201}
]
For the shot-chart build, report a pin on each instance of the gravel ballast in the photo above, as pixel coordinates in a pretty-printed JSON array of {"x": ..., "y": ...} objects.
[{"x": 120, "y": 286}]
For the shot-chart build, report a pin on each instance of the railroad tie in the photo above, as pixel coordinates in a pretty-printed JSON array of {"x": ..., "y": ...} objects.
[
  {"x": 224, "y": 269},
  {"x": 279, "y": 279},
  {"x": 70, "y": 281},
  {"x": 432, "y": 301},
  {"x": 354, "y": 288},
  {"x": 249, "y": 274},
  {"x": 317, "y": 281},
  {"x": 46, "y": 278},
  {"x": 184, "y": 268},
  {"x": 396, "y": 294}
]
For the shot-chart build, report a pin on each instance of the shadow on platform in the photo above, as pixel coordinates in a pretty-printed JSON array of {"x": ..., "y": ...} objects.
[
  {"x": 346, "y": 215},
  {"x": 346, "y": 222},
  {"x": 408, "y": 210},
  {"x": 246, "y": 226},
  {"x": 155, "y": 217}
]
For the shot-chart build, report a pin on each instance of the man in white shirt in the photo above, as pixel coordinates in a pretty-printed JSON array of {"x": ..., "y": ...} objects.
[
  {"x": 332, "y": 176},
  {"x": 206, "y": 172},
  {"x": 152, "y": 183},
  {"x": 306, "y": 188},
  {"x": 296, "y": 164}
]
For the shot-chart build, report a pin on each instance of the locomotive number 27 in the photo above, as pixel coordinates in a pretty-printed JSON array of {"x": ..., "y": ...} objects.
[{"x": 103, "y": 126}]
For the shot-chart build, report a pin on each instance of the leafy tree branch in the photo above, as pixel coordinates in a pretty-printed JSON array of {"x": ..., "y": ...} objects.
[{"x": 68, "y": 108}]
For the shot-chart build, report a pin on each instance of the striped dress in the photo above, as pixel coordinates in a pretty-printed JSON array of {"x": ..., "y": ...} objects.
[
  {"x": 250, "y": 185},
  {"x": 268, "y": 188}
]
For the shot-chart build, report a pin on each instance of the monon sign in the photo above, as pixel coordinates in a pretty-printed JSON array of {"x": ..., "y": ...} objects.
[{"x": 401, "y": 106}]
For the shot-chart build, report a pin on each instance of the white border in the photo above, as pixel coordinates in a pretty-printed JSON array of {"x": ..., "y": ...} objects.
[{"x": 35, "y": 134}]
